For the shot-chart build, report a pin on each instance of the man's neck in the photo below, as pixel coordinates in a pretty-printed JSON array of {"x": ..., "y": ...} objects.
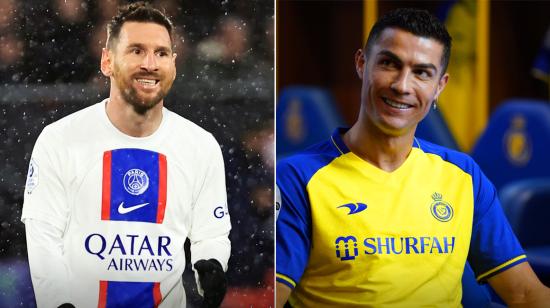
[
  {"x": 381, "y": 150},
  {"x": 128, "y": 121}
]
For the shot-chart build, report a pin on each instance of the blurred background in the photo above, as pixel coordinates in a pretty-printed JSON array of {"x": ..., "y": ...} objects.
[
  {"x": 495, "y": 107},
  {"x": 49, "y": 68}
]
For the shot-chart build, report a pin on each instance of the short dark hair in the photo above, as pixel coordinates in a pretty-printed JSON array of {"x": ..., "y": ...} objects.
[
  {"x": 416, "y": 21},
  {"x": 139, "y": 12}
]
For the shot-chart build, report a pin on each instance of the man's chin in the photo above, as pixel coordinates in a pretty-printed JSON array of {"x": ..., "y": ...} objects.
[
  {"x": 142, "y": 106},
  {"x": 394, "y": 127},
  {"x": 142, "y": 102}
]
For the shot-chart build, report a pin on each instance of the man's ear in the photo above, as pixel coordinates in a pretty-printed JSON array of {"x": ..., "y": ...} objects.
[
  {"x": 106, "y": 62},
  {"x": 174, "y": 55},
  {"x": 360, "y": 63},
  {"x": 441, "y": 85}
]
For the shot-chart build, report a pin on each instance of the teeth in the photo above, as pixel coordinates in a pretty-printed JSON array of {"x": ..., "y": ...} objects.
[
  {"x": 147, "y": 81},
  {"x": 395, "y": 104}
]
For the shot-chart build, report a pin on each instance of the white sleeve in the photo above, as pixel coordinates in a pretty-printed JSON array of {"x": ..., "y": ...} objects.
[
  {"x": 45, "y": 214},
  {"x": 211, "y": 224},
  {"x": 49, "y": 272},
  {"x": 45, "y": 197}
]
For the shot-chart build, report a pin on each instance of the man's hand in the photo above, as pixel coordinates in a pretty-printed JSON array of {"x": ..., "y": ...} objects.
[{"x": 212, "y": 280}]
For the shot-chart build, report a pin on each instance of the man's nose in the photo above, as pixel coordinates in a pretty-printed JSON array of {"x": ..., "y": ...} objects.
[
  {"x": 149, "y": 62},
  {"x": 401, "y": 83}
]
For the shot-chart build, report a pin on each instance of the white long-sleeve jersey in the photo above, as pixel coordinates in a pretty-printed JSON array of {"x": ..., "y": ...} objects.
[{"x": 107, "y": 214}]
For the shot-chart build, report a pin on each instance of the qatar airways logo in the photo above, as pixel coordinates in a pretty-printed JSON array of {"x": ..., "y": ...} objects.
[{"x": 131, "y": 252}]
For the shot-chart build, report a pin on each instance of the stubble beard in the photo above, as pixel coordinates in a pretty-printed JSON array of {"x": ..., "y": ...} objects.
[
  {"x": 131, "y": 97},
  {"x": 141, "y": 105}
]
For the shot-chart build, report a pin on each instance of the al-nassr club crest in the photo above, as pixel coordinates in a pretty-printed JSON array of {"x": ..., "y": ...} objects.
[{"x": 440, "y": 209}]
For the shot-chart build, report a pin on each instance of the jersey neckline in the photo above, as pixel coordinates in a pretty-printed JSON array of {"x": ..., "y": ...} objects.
[
  {"x": 112, "y": 127},
  {"x": 367, "y": 167}
]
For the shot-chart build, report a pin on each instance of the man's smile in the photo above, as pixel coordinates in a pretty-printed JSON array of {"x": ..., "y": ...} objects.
[
  {"x": 395, "y": 104},
  {"x": 147, "y": 83}
]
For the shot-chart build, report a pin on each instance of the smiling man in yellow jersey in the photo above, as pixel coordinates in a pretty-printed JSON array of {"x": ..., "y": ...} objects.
[{"x": 374, "y": 217}]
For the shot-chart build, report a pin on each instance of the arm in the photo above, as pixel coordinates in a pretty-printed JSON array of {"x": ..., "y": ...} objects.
[
  {"x": 293, "y": 230},
  {"x": 49, "y": 273},
  {"x": 519, "y": 286},
  {"x": 211, "y": 224},
  {"x": 497, "y": 254},
  {"x": 210, "y": 227},
  {"x": 283, "y": 292},
  {"x": 45, "y": 212}
]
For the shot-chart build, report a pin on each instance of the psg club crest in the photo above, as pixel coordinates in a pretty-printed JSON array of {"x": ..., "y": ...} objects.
[
  {"x": 440, "y": 209},
  {"x": 136, "y": 181}
]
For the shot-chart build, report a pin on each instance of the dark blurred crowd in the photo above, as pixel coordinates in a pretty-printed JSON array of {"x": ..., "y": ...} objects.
[
  {"x": 49, "y": 61},
  {"x": 61, "y": 40}
]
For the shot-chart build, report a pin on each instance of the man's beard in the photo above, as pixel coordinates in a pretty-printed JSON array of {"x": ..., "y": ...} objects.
[
  {"x": 140, "y": 105},
  {"x": 130, "y": 95}
]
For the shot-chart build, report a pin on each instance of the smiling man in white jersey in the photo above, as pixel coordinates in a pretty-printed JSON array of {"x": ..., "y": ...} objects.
[
  {"x": 375, "y": 217},
  {"x": 114, "y": 190}
]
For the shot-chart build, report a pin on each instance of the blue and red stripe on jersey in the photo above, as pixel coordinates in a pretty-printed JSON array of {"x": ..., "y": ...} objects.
[
  {"x": 118, "y": 203},
  {"x": 128, "y": 294}
]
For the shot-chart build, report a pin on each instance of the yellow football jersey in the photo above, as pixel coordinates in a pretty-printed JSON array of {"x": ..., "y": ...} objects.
[{"x": 352, "y": 235}]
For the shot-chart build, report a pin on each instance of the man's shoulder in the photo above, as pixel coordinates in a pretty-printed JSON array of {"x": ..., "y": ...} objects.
[
  {"x": 72, "y": 123},
  {"x": 460, "y": 159},
  {"x": 308, "y": 161},
  {"x": 187, "y": 128}
]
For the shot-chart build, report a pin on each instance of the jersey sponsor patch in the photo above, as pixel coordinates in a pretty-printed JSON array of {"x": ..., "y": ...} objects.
[
  {"x": 125, "y": 210},
  {"x": 347, "y": 246},
  {"x": 134, "y": 185},
  {"x": 220, "y": 212},
  {"x": 354, "y": 208},
  {"x": 32, "y": 177}
]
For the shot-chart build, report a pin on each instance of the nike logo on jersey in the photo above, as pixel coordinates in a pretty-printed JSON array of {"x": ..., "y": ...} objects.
[
  {"x": 354, "y": 208},
  {"x": 126, "y": 210}
]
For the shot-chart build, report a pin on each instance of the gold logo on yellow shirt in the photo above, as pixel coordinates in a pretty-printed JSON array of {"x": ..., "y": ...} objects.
[{"x": 440, "y": 209}]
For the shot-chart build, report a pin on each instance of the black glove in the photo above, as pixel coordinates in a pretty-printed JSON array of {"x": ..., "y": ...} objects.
[
  {"x": 66, "y": 305},
  {"x": 213, "y": 282}
]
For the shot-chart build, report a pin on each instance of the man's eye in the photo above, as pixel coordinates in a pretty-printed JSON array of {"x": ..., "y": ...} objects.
[
  {"x": 388, "y": 63},
  {"x": 136, "y": 51},
  {"x": 162, "y": 54},
  {"x": 424, "y": 74}
]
